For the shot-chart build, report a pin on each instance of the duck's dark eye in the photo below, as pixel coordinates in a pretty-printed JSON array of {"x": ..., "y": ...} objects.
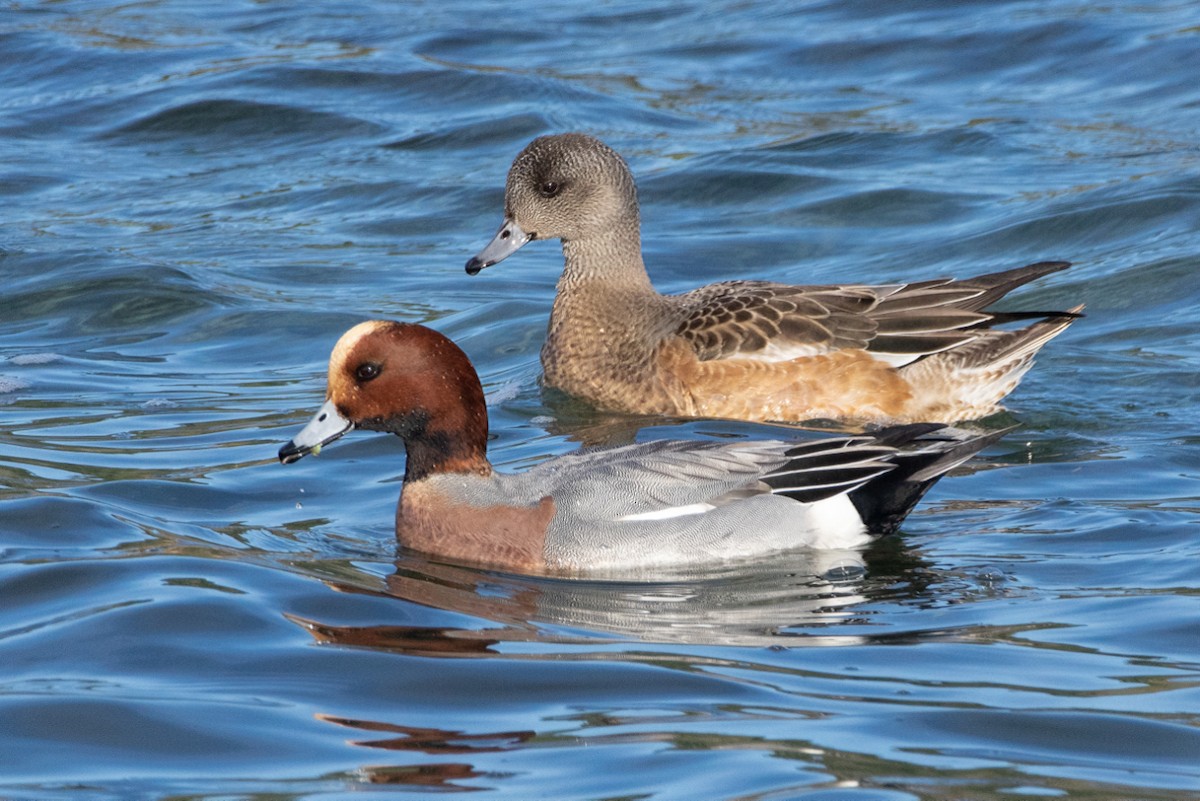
[
  {"x": 366, "y": 371},
  {"x": 549, "y": 188}
]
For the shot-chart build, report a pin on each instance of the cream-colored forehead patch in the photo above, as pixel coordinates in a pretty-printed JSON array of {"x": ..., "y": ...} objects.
[
  {"x": 350, "y": 339},
  {"x": 342, "y": 350}
]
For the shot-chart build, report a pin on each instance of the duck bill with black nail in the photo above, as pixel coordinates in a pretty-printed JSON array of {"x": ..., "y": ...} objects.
[
  {"x": 326, "y": 426},
  {"x": 507, "y": 241}
]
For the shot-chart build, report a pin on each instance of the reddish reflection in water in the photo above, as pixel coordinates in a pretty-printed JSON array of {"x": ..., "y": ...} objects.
[{"x": 443, "y": 775}]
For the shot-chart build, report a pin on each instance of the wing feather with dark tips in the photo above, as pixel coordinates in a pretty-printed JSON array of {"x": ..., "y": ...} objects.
[
  {"x": 898, "y": 323},
  {"x": 744, "y": 317},
  {"x": 824, "y": 468},
  {"x": 821, "y": 470}
]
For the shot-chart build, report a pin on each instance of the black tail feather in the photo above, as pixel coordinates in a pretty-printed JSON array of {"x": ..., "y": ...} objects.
[
  {"x": 887, "y": 499},
  {"x": 884, "y": 471}
]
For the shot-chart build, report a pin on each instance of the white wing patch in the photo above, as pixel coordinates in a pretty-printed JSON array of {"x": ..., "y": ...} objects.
[
  {"x": 668, "y": 513},
  {"x": 786, "y": 352},
  {"x": 895, "y": 359},
  {"x": 779, "y": 352}
]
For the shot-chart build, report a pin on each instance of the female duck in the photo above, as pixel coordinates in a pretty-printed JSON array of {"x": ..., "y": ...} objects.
[
  {"x": 618, "y": 511},
  {"x": 751, "y": 350}
]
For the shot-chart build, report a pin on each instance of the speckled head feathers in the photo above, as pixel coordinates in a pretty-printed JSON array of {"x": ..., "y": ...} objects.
[{"x": 569, "y": 186}]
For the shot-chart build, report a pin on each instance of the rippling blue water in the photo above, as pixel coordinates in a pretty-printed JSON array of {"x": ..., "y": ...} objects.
[{"x": 196, "y": 204}]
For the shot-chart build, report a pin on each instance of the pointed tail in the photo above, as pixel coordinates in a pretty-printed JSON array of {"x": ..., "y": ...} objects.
[{"x": 886, "y": 500}]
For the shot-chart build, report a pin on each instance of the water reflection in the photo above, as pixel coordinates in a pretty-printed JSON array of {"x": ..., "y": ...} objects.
[
  {"x": 435, "y": 742},
  {"x": 794, "y": 599},
  {"x": 800, "y": 599}
]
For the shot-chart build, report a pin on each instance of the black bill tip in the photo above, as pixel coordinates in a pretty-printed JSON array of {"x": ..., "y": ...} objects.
[{"x": 292, "y": 453}]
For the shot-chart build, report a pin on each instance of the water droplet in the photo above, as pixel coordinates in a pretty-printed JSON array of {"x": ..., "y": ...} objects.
[{"x": 991, "y": 575}]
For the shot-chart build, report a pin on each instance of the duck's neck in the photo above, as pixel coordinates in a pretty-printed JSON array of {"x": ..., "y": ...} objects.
[
  {"x": 607, "y": 321},
  {"x": 452, "y": 440},
  {"x": 436, "y": 452},
  {"x": 603, "y": 281},
  {"x": 609, "y": 261}
]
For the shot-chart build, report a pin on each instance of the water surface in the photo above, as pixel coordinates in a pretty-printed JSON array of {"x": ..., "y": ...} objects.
[{"x": 196, "y": 204}]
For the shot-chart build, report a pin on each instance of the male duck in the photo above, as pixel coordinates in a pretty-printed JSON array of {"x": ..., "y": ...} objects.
[
  {"x": 752, "y": 350},
  {"x": 623, "y": 510}
]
